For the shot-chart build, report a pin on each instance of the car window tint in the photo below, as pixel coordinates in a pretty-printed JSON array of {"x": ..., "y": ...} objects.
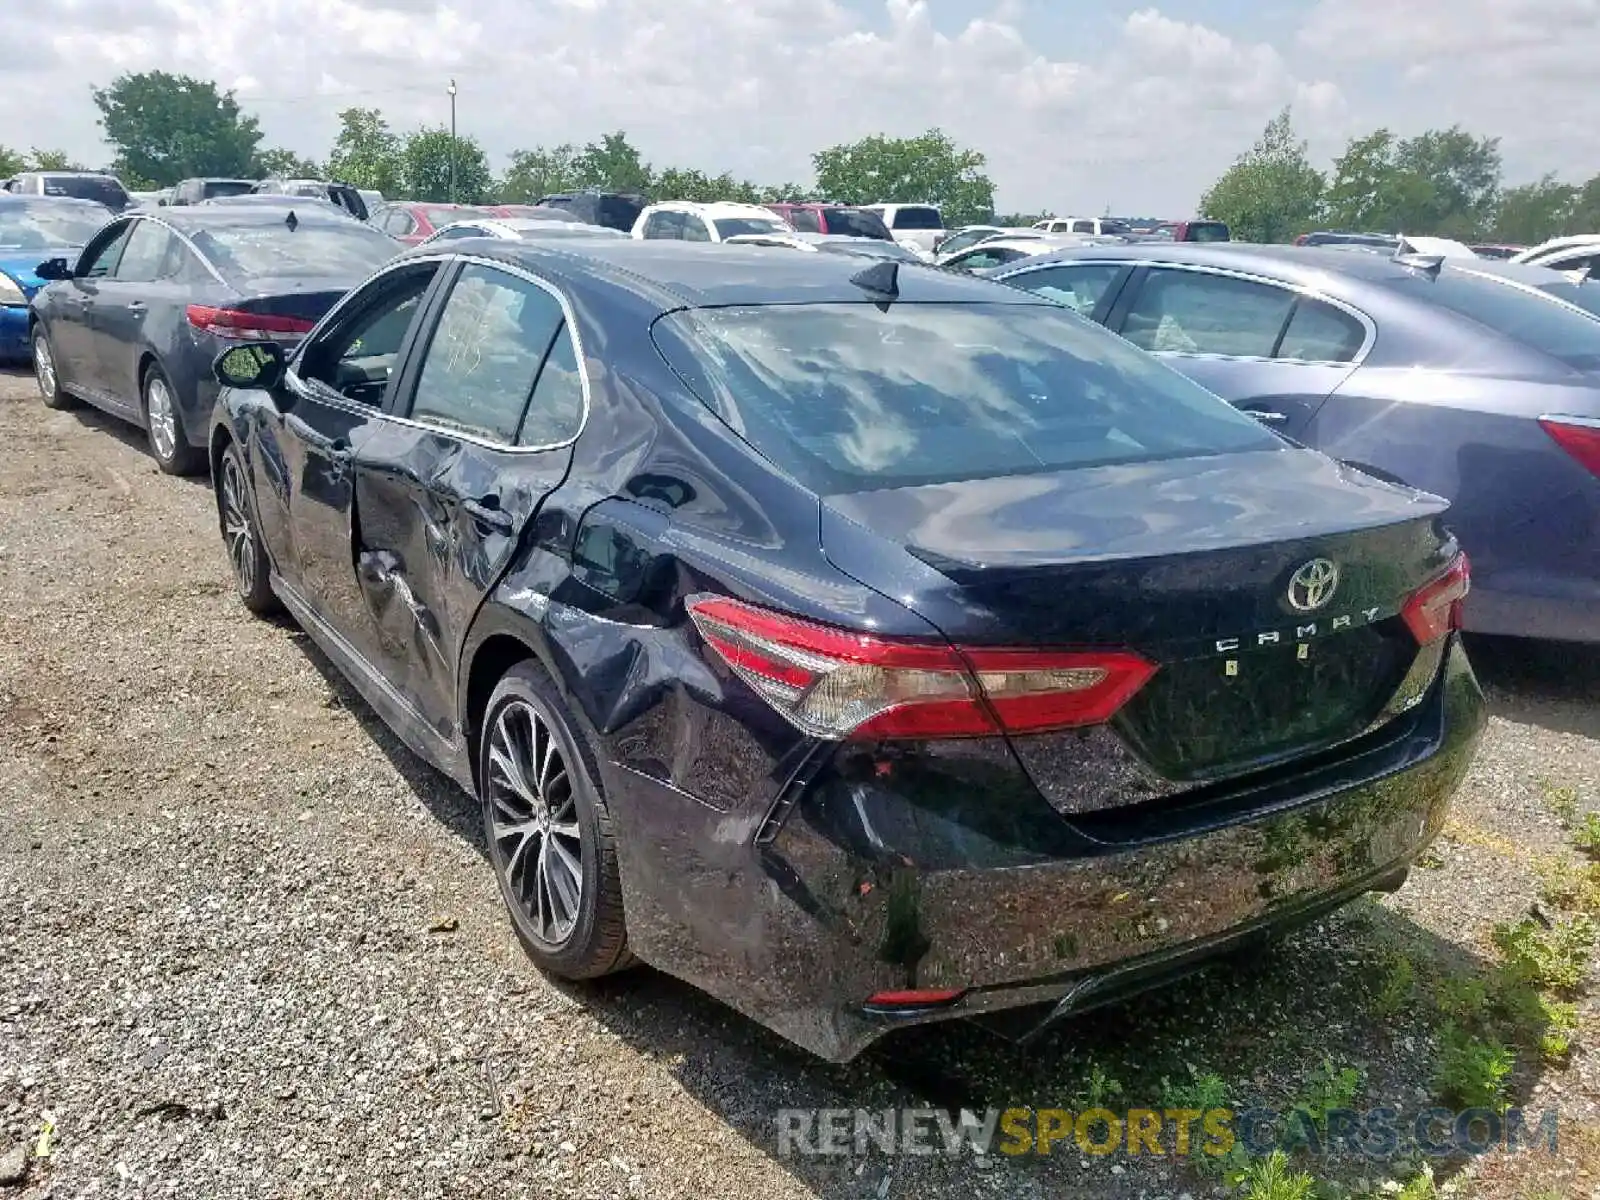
[
  {"x": 805, "y": 220},
  {"x": 270, "y": 249},
  {"x": 146, "y": 254},
  {"x": 694, "y": 229},
  {"x": 1319, "y": 332},
  {"x": 917, "y": 217},
  {"x": 555, "y": 414},
  {"x": 100, "y": 262},
  {"x": 664, "y": 225},
  {"x": 1078, "y": 287},
  {"x": 485, "y": 352},
  {"x": 1197, "y": 313},
  {"x": 850, "y": 396},
  {"x": 356, "y": 354}
]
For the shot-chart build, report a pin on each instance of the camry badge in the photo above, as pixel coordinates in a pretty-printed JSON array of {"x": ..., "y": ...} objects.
[{"x": 1313, "y": 585}]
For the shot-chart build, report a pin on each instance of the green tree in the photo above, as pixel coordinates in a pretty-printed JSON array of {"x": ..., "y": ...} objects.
[
  {"x": 539, "y": 172},
  {"x": 1464, "y": 172},
  {"x": 52, "y": 160},
  {"x": 929, "y": 169},
  {"x": 1533, "y": 212},
  {"x": 1272, "y": 192},
  {"x": 11, "y": 162},
  {"x": 286, "y": 164},
  {"x": 367, "y": 154},
  {"x": 170, "y": 127},
  {"x": 1585, "y": 214},
  {"x": 614, "y": 164},
  {"x": 427, "y": 156}
]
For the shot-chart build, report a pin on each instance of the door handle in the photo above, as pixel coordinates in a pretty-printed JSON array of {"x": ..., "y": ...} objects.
[
  {"x": 486, "y": 511},
  {"x": 1267, "y": 416},
  {"x": 134, "y": 306}
]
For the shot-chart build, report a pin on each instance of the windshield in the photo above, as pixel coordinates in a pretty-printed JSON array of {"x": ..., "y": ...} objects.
[
  {"x": 44, "y": 225},
  {"x": 848, "y": 397},
  {"x": 102, "y": 189},
  {"x": 728, "y": 227},
  {"x": 1554, "y": 329},
  {"x": 269, "y": 249},
  {"x": 856, "y": 222}
]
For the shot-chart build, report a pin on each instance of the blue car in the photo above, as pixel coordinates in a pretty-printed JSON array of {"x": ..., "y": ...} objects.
[{"x": 33, "y": 229}]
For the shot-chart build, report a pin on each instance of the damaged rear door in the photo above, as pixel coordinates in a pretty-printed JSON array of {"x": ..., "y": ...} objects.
[{"x": 490, "y": 410}]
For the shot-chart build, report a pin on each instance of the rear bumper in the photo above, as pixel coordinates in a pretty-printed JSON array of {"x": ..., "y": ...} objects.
[
  {"x": 873, "y": 885},
  {"x": 14, "y": 343}
]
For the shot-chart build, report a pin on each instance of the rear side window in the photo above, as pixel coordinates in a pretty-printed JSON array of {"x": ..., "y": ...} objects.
[
  {"x": 664, "y": 225},
  {"x": 1192, "y": 312},
  {"x": 1319, "y": 332},
  {"x": 485, "y": 353},
  {"x": 269, "y": 249},
  {"x": 856, "y": 222},
  {"x": 1554, "y": 329},
  {"x": 555, "y": 414},
  {"x": 728, "y": 227},
  {"x": 225, "y": 187},
  {"x": 1079, "y": 286},
  {"x": 917, "y": 217},
  {"x": 846, "y": 397},
  {"x": 151, "y": 254}
]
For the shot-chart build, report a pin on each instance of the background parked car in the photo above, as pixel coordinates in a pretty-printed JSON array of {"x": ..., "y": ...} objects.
[
  {"x": 1099, "y": 226},
  {"x": 685, "y": 221},
  {"x": 411, "y": 222},
  {"x": 1576, "y": 253},
  {"x": 1195, "y": 231},
  {"x": 1475, "y": 382},
  {"x": 133, "y": 327},
  {"x": 1339, "y": 237},
  {"x": 98, "y": 186},
  {"x": 614, "y": 210},
  {"x": 32, "y": 229},
  {"x": 340, "y": 194},
  {"x": 996, "y": 251},
  {"x": 556, "y": 225},
  {"x": 831, "y": 243},
  {"x": 833, "y": 218},
  {"x": 920, "y": 226},
  {"x": 197, "y": 191}
]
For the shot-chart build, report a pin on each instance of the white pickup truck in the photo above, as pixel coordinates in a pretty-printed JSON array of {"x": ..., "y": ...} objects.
[{"x": 919, "y": 226}]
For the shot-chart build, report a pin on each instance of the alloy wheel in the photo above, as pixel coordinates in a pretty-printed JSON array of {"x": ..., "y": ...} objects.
[
  {"x": 533, "y": 817},
  {"x": 236, "y": 527},
  {"x": 163, "y": 421},
  {"x": 44, "y": 367}
]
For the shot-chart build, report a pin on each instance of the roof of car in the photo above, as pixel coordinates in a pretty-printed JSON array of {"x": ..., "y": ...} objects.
[
  {"x": 715, "y": 208},
  {"x": 200, "y": 216},
  {"x": 669, "y": 274}
]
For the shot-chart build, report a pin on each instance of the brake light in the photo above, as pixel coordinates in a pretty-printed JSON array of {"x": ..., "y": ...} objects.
[
  {"x": 1435, "y": 608},
  {"x": 247, "y": 326},
  {"x": 834, "y": 683},
  {"x": 914, "y": 998},
  {"x": 1578, "y": 436}
]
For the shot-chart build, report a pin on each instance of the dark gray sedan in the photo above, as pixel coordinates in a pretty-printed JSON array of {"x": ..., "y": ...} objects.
[
  {"x": 133, "y": 326},
  {"x": 1475, "y": 380}
]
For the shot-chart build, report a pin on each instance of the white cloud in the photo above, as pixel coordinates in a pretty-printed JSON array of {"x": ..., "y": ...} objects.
[{"x": 753, "y": 87}]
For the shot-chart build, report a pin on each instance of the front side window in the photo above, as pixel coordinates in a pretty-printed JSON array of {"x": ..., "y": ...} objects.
[
  {"x": 100, "y": 259},
  {"x": 1079, "y": 286},
  {"x": 977, "y": 259},
  {"x": 664, "y": 226},
  {"x": 492, "y": 337},
  {"x": 848, "y": 397},
  {"x": 357, "y": 354},
  {"x": 804, "y": 220},
  {"x": 1194, "y": 312}
]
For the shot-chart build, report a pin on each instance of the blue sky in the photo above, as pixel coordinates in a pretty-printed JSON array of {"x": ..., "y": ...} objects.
[{"x": 1077, "y": 106}]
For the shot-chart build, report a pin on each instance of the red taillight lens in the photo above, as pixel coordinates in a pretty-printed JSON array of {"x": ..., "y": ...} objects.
[
  {"x": 916, "y": 998},
  {"x": 1435, "y": 608},
  {"x": 247, "y": 326},
  {"x": 1578, "y": 436},
  {"x": 834, "y": 683}
]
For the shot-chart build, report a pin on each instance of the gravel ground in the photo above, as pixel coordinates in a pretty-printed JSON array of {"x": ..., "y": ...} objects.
[{"x": 249, "y": 945}]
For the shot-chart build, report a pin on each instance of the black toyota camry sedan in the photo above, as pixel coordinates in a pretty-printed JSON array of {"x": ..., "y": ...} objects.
[{"x": 865, "y": 644}]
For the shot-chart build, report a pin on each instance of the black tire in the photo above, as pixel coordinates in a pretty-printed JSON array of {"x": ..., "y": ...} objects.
[
  {"x": 597, "y": 943},
  {"x": 236, "y": 516},
  {"x": 46, "y": 373},
  {"x": 169, "y": 442}
]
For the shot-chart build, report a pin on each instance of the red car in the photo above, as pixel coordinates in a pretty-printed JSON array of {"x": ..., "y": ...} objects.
[
  {"x": 835, "y": 219},
  {"x": 409, "y": 222}
]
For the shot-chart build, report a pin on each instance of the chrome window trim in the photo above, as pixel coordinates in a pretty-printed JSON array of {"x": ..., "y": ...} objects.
[
  {"x": 188, "y": 245},
  {"x": 569, "y": 321},
  {"x": 1369, "y": 328}
]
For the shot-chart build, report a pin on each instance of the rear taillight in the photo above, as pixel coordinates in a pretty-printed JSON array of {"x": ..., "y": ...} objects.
[
  {"x": 1434, "y": 609},
  {"x": 834, "y": 683},
  {"x": 247, "y": 326},
  {"x": 912, "y": 999},
  {"x": 1578, "y": 436}
]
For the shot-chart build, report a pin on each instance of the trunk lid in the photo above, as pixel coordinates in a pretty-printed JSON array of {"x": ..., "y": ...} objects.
[
  {"x": 308, "y": 299},
  {"x": 1190, "y": 562}
]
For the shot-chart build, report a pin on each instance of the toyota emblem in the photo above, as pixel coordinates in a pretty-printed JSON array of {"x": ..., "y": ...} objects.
[{"x": 1313, "y": 585}]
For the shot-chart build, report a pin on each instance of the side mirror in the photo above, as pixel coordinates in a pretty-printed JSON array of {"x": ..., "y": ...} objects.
[
  {"x": 54, "y": 268},
  {"x": 258, "y": 365}
]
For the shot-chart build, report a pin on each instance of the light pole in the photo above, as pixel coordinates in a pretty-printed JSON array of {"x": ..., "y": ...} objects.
[{"x": 452, "y": 91}]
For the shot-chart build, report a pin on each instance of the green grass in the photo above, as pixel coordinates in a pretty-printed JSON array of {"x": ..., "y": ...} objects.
[
  {"x": 1328, "y": 1088},
  {"x": 1473, "y": 1072},
  {"x": 1556, "y": 958},
  {"x": 1586, "y": 837},
  {"x": 1397, "y": 989},
  {"x": 1561, "y": 801},
  {"x": 1274, "y": 1178}
]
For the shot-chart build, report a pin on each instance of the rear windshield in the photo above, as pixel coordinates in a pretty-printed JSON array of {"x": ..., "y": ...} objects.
[
  {"x": 1585, "y": 296},
  {"x": 225, "y": 187},
  {"x": 856, "y": 222},
  {"x": 99, "y": 188},
  {"x": 848, "y": 398},
  {"x": 346, "y": 250},
  {"x": 1554, "y": 329},
  {"x": 1208, "y": 231},
  {"x": 916, "y": 217},
  {"x": 41, "y": 226},
  {"x": 728, "y": 227},
  {"x": 619, "y": 212}
]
